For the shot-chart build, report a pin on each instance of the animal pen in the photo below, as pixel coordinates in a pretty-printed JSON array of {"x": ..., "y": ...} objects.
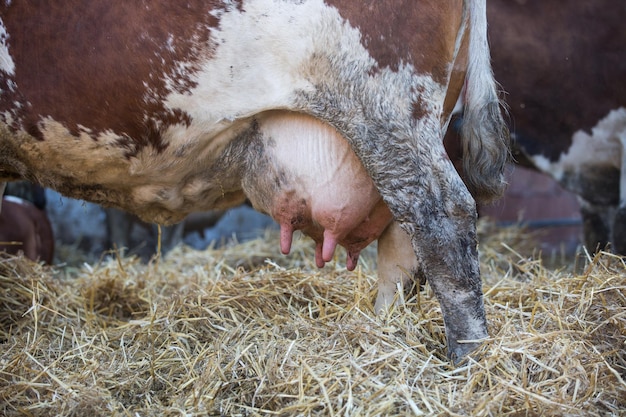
[{"x": 246, "y": 331}]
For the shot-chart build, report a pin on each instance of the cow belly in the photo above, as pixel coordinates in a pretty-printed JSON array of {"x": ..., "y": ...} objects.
[{"x": 306, "y": 176}]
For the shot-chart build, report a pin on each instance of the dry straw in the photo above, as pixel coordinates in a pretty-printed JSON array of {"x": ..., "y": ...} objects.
[{"x": 246, "y": 331}]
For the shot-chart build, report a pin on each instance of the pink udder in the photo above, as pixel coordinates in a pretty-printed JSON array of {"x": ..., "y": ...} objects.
[
  {"x": 320, "y": 187},
  {"x": 354, "y": 234}
]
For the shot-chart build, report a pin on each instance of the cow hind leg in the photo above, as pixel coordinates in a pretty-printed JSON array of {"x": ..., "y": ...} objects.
[
  {"x": 433, "y": 206},
  {"x": 444, "y": 237},
  {"x": 447, "y": 248}
]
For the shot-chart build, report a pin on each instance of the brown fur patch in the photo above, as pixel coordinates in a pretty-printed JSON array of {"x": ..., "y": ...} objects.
[
  {"x": 406, "y": 32},
  {"x": 94, "y": 72}
]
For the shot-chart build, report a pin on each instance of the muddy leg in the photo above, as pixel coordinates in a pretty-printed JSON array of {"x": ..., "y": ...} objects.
[
  {"x": 446, "y": 245},
  {"x": 431, "y": 203}
]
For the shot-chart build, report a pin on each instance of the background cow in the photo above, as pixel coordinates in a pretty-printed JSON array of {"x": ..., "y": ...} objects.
[
  {"x": 327, "y": 115},
  {"x": 25, "y": 228},
  {"x": 24, "y": 224},
  {"x": 563, "y": 68}
]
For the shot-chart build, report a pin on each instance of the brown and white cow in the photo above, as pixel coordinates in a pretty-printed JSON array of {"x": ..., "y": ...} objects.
[
  {"x": 328, "y": 115},
  {"x": 563, "y": 67}
]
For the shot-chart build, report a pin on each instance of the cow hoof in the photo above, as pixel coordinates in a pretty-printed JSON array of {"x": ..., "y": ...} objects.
[{"x": 458, "y": 353}]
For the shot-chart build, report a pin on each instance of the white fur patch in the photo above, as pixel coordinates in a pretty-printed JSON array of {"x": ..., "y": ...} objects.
[
  {"x": 256, "y": 64},
  {"x": 86, "y": 157},
  {"x": 6, "y": 62},
  {"x": 262, "y": 55}
]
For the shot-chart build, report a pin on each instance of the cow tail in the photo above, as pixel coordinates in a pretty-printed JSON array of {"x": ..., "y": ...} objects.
[{"x": 484, "y": 133}]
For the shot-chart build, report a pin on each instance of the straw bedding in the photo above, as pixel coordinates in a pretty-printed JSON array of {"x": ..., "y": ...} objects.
[{"x": 246, "y": 331}]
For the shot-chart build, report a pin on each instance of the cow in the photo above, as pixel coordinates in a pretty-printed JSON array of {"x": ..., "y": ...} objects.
[
  {"x": 564, "y": 71},
  {"x": 326, "y": 114},
  {"x": 24, "y": 223},
  {"x": 25, "y": 228}
]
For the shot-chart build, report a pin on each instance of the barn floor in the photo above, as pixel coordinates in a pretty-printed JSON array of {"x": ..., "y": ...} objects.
[{"x": 245, "y": 331}]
